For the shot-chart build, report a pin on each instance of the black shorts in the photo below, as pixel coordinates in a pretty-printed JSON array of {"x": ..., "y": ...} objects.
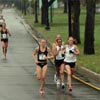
[
  {"x": 58, "y": 62},
  {"x": 0, "y": 25},
  {"x": 42, "y": 64},
  {"x": 71, "y": 64},
  {"x": 4, "y": 40}
]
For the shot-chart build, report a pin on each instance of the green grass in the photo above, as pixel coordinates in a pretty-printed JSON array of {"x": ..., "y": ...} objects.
[{"x": 60, "y": 26}]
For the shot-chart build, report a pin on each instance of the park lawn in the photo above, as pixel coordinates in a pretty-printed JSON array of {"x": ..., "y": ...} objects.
[{"x": 60, "y": 26}]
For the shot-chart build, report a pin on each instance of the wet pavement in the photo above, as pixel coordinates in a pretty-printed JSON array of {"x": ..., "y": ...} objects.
[{"x": 17, "y": 79}]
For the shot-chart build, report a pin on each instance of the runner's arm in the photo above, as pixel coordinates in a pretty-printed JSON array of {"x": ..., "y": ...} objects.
[
  {"x": 8, "y": 32},
  {"x": 54, "y": 50},
  {"x": 34, "y": 55},
  {"x": 50, "y": 54},
  {"x": 76, "y": 52}
]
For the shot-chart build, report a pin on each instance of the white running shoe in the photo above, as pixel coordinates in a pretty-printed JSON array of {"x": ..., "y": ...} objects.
[
  {"x": 58, "y": 83},
  {"x": 55, "y": 78}
]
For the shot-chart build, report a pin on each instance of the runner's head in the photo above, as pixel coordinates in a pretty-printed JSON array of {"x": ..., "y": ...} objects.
[
  {"x": 3, "y": 25},
  {"x": 58, "y": 36},
  {"x": 59, "y": 42},
  {"x": 43, "y": 42},
  {"x": 1, "y": 17},
  {"x": 71, "y": 40}
]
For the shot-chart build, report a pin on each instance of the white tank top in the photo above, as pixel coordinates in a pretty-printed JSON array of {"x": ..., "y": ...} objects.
[
  {"x": 60, "y": 54},
  {"x": 69, "y": 57}
]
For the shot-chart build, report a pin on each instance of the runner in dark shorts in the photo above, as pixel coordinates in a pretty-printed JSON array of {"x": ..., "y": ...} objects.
[
  {"x": 4, "y": 38},
  {"x": 41, "y": 54}
]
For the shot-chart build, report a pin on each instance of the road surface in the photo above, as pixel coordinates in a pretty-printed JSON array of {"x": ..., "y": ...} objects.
[{"x": 17, "y": 79}]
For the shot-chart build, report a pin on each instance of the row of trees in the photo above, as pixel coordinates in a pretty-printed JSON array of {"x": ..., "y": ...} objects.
[
  {"x": 73, "y": 9},
  {"x": 90, "y": 21},
  {"x": 74, "y": 24}
]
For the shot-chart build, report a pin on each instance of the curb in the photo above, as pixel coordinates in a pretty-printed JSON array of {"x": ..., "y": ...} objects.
[{"x": 90, "y": 74}]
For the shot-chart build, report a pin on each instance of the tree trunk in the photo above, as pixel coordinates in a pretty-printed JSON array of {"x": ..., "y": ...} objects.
[
  {"x": 43, "y": 14},
  {"x": 50, "y": 3},
  {"x": 36, "y": 11},
  {"x": 44, "y": 10},
  {"x": 24, "y": 7},
  {"x": 73, "y": 18},
  {"x": 69, "y": 18},
  {"x": 76, "y": 24},
  {"x": 65, "y": 6},
  {"x": 47, "y": 16},
  {"x": 89, "y": 29}
]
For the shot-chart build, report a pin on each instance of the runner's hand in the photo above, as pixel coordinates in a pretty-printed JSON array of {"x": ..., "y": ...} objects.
[{"x": 36, "y": 62}]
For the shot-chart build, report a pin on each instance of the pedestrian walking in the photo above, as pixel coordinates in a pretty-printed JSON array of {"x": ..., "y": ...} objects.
[
  {"x": 71, "y": 50},
  {"x": 41, "y": 54},
  {"x": 4, "y": 38}
]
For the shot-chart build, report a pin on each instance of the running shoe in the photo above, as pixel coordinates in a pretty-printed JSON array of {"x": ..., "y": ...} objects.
[
  {"x": 55, "y": 78},
  {"x": 70, "y": 88},
  {"x": 58, "y": 83},
  {"x": 41, "y": 91}
]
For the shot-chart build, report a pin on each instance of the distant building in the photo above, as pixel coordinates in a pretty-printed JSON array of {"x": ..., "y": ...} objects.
[{"x": 55, "y": 4}]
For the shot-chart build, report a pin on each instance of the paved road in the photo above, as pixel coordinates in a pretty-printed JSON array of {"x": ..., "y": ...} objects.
[{"x": 17, "y": 80}]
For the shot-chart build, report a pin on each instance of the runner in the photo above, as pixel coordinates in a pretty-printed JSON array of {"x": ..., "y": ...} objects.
[
  {"x": 4, "y": 38},
  {"x": 2, "y": 20},
  {"x": 56, "y": 78},
  {"x": 43, "y": 53},
  {"x": 59, "y": 62},
  {"x": 71, "y": 51},
  {"x": 54, "y": 44},
  {"x": 53, "y": 49}
]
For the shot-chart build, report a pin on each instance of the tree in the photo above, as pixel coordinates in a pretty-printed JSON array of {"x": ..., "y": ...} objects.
[
  {"x": 45, "y": 16},
  {"x": 24, "y": 6},
  {"x": 74, "y": 14},
  {"x": 65, "y": 5},
  {"x": 69, "y": 18},
  {"x": 36, "y": 11},
  {"x": 89, "y": 27}
]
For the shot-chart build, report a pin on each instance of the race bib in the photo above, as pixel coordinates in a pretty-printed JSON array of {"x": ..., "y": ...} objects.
[
  {"x": 4, "y": 36},
  {"x": 42, "y": 57}
]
